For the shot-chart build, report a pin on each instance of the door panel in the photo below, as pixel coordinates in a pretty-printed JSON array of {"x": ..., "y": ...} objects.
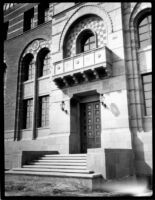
[{"x": 90, "y": 126}]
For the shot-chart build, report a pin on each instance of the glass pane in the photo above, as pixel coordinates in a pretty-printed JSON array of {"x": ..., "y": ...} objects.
[
  {"x": 87, "y": 41},
  {"x": 144, "y": 36},
  {"x": 92, "y": 46},
  {"x": 86, "y": 48},
  {"x": 143, "y": 29},
  {"x": 144, "y": 21},
  {"x": 148, "y": 95},
  {"x": 147, "y": 78},
  {"x": 148, "y": 103},
  {"x": 92, "y": 39},
  {"x": 148, "y": 111},
  {"x": 148, "y": 87},
  {"x": 149, "y": 18},
  {"x": 145, "y": 43}
]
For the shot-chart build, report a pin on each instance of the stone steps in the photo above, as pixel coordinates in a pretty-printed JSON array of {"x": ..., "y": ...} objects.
[{"x": 65, "y": 168}]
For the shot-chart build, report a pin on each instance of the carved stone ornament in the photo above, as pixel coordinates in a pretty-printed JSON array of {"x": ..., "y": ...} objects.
[{"x": 35, "y": 45}]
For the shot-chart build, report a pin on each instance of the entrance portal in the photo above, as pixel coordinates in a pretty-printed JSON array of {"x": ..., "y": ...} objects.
[{"x": 90, "y": 123}]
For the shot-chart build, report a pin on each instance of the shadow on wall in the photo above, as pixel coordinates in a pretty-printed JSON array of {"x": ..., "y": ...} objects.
[
  {"x": 119, "y": 163},
  {"x": 142, "y": 169}
]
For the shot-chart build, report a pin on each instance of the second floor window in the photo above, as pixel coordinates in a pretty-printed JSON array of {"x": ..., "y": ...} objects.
[
  {"x": 29, "y": 68},
  {"x": 89, "y": 44},
  {"x": 144, "y": 32},
  {"x": 29, "y": 20},
  {"x": 43, "y": 63},
  {"x": 147, "y": 90},
  {"x": 86, "y": 41}
]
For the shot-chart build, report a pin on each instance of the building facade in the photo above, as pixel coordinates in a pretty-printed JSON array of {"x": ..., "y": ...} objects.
[{"x": 78, "y": 79}]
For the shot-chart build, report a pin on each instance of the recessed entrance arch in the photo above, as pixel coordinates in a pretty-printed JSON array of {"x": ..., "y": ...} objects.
[{"x": 85, "y": 122}]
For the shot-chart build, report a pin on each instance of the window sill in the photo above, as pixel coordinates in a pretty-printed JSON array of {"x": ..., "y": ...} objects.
[
  {"x": 41, "y": 128},
  {"x": 149, "y": 48},
  {"x": 44, "y": 77},
  {"x": 27, "y": 129},
  {"x": 147, "y": 117},
  {"x": 28, "y": 81}
]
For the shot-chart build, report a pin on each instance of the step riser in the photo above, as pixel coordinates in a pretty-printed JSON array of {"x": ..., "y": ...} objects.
[
  {"x": 66, "y": 155},
  {"x": 54, "y": 158},
  {"x": 54, "y": 170},
  {"x": 60, "y": 161},
  {"x": 61, "y": 164},
  {"x": 56, "y": 166}
]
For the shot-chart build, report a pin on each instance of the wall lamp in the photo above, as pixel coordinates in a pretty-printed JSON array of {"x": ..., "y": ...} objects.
[
  {"x": 63, "y": 107},
  {"x": 103, "y": 101}
]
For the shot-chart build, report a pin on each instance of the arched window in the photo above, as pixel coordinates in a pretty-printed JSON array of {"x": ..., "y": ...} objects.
[
  {"x": 43, "y": 63},
  {"x": 28, "y": 67},
  {"x": 144, "y": 31},
  {"x": 144, "y": 54},
  {"x": 86, "y": 41}
]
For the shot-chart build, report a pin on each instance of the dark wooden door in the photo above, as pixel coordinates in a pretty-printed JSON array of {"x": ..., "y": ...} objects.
[{"x": 90, "y": 126}]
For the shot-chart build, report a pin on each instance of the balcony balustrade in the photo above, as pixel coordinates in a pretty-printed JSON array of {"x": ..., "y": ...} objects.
[{"x": 83, "y": 67}]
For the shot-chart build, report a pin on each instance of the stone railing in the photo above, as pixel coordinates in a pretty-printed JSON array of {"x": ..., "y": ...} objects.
[{"x": 84, "y": 61}]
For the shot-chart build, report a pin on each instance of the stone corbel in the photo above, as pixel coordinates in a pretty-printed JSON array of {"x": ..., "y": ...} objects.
[
  {"x": 65, "y": 82},
  {"x": 85, "y": 77},
  {"x": 95, "y": 74},
  {"x": 75, "y": 79},
  {"x": 108, "y": 71}
]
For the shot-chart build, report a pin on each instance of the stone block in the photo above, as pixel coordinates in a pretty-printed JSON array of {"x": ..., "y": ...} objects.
[
  {"x": 58, "y": 8},
  {"x": 115, "y": 40},
  {"x": 118, "y": 54},
  {"x": 112, "y": 138},
  {"x": 109, "y": 8},
  {"x": 118, "y": 68},
  {"x": 118, "y": 162},
  {"x": 96, "y": 160},
  {"x": 116, "y": 19},
  {"x": 55, "y": 43}
]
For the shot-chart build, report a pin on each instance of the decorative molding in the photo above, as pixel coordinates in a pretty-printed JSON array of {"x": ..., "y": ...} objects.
[
  {"x": 35, "y": 46},
  {"x": 136, "y": 10},
  {"x": 87, "y": 9}
]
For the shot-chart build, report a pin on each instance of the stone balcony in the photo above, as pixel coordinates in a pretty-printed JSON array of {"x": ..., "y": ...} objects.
[{"x": 88, "y": 66}]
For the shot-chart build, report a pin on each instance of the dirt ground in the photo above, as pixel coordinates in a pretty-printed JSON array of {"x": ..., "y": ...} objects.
[{"x": 123, "y": 187}]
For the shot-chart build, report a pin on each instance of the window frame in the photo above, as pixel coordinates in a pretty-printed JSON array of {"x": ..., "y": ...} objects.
[
  {"x": 82, "y": 38},
  {"x": 43, "y": 112},
  {"x": 43, "y": 13},
  {"x": 144, "y": 93},
  {"x": 28, "y": 20},
  {"x": 44, "y": 55},
  {"x": 149, "y": 31},
  {"x": 27, "y": 113}
]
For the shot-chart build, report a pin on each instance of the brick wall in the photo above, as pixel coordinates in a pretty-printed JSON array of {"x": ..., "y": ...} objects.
[{"x": 13, "y": 49}]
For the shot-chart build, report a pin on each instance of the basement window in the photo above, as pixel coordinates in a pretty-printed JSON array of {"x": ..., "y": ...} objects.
[{"x": 29, "y": 19}]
